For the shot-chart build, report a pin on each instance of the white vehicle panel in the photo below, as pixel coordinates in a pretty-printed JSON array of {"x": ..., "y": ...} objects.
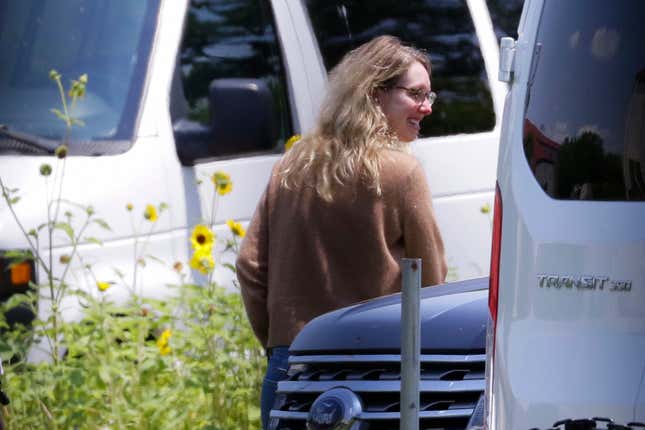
[
  {"x": 564, "y": 349},
  {"x": 459, "y": 164},
  {"x": 467, "y": 220},
  {"x": 106, "y": 183}
]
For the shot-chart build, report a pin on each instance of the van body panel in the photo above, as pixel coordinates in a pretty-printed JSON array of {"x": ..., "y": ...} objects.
[
  {"x": 570, "y": 337},
  {"x": 87, "y": 176},
  {"x": 302, "y": 72},
  {"x": 294, "y": 24},
  {"x": 462, "y": 197}
]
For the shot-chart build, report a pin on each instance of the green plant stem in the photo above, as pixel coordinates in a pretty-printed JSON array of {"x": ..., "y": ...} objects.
[
  {"x": 61, "y": 91},
  {"x": 113, "y": 392},
  {"x": 59, "y": 295},
  {"x": 214, "y": 207},
  {"x": 50, "y": 282},
  {"x": 48, "y": 415},
  {"x": 140, "y": 356},
  {"x": 135, "y": 232},
  {"x": 135, "y": 272},
  {"x": 60, "y": 188},
  {"x": 140, "y": 254}
]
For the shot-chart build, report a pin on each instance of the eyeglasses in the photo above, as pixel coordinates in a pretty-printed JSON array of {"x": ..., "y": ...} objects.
[{"x": 419, "y": 96}]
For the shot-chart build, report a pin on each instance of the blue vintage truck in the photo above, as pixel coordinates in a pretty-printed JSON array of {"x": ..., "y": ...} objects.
[{"x": 358, "y": 348}]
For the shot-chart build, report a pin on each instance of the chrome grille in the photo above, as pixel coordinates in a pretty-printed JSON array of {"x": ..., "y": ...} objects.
[{"x": 450, "y": 386}]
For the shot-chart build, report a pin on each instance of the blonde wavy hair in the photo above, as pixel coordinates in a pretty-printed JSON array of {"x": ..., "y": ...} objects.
[{"x": 351, "y": 129}]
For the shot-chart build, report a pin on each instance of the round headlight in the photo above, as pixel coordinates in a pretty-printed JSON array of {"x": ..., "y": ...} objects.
[{"x": 336, "y": 409}]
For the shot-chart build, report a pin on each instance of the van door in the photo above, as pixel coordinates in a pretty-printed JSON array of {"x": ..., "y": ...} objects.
[{"x": 257, "y": 43}]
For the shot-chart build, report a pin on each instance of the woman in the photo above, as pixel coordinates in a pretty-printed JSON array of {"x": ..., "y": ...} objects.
[{"x": 344, "y": 205}]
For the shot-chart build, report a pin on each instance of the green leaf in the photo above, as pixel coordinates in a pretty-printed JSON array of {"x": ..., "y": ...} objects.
[
  {"x": 17, "y": 256},
  {"x": 59, "y": 114},
  {"x": 18, "y": 300},
  {"x": 254, "y": 413},
  {"x": 76, "y": 377},
  {"x": 157, "y": 259},
  {"x": 148, "y": 365},
  {"x": 102, "y": 223},
  {"x": 104, "y": 374},
  {"x": 14, "y": 200},
  {"x": 4, "y": 347},
  {"x": 80, "y": 293},
  {"x": 93, "y": 240},
  {"x": 66, "y": 228}
]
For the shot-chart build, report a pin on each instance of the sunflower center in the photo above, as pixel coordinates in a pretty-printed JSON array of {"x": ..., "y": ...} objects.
[{"x": 201, "y": 239}]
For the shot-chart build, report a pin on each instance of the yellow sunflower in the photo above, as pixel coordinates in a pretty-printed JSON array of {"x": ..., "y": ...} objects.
[
  {"x": 151, "y": 213},
  {"x": 163, "y": 343},
  {"x": 103, "y": 286},
  {"x": 236, "y": 228},
  {"x": 289, "y": 143},
  {"x": 202, "y": 261},
  {"x": 202, "y": 238},
  {"x": 222, "y": 182}
]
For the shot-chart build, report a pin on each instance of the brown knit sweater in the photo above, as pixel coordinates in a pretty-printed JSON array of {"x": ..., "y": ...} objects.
[{"x": 303, "y": 256}]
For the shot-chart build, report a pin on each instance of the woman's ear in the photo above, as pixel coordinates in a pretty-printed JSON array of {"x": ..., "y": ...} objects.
[{"x": 377, "y": 95}]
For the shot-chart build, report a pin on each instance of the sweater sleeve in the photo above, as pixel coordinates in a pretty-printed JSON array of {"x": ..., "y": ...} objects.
[
  {"x": 252, "y": 271},
  {"x": 420, "y": 230}
]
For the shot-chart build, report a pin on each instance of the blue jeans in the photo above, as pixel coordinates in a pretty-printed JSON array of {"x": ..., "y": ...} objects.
[{"x": 276, "y": 371}]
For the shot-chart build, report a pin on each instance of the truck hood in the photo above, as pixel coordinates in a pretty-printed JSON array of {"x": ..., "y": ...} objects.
[{"x": 453, "y": 320}]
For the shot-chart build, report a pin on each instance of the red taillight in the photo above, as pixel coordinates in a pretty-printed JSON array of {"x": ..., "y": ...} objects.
[
  {"x": 494, "y": 255},
  {"x": 493, "y": 291}
]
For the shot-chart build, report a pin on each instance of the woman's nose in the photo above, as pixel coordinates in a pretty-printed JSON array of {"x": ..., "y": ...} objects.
[{"x": 425, "y": 107}]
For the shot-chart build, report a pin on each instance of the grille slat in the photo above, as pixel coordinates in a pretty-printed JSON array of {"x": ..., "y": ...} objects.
[
  {"x": 385, "y": 358},
  {"x": 368, "y": 416},
  {"x": 450, "y": 386},
  {"x": 378, "y": 386}
]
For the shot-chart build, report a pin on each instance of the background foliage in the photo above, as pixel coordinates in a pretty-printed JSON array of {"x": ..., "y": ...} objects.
[{"x": 189, "y": 361}]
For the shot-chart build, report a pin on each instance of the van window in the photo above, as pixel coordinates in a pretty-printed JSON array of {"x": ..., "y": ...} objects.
[
  {"x": 442, "y": 27},
  {"x": 584, "y": 129},
  {"x": 505, "y": 15},
  {"x": 109, "y": 41},
  {"x": 225, "y": 39}
]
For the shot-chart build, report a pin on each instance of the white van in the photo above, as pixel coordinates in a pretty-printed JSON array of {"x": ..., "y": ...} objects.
[
  {"x": 566, "y": 343},
  {"x": 178, "y": 90}
]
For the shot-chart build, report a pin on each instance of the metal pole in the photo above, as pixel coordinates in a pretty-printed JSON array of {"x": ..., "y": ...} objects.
[{"x": 410, "y": 342}]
